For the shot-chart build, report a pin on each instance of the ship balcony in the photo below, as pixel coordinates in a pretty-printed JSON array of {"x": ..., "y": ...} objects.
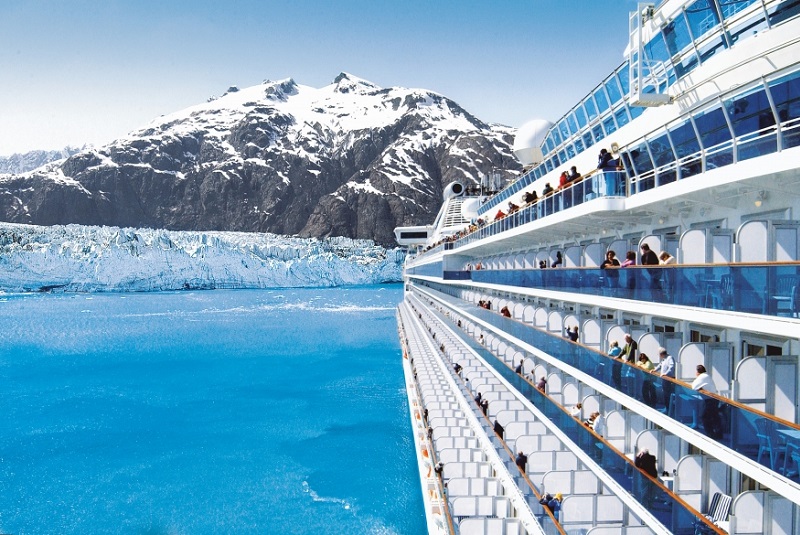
[
  {"x": 723, "y": 420},
  {"x": 771, "y": 289}
]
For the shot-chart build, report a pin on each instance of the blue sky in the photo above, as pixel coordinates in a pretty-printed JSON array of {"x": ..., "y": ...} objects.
[{"x": 77, "y": 71}]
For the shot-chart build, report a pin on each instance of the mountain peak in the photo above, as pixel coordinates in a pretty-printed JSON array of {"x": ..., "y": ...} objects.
[{"x": 346, "y": 82}]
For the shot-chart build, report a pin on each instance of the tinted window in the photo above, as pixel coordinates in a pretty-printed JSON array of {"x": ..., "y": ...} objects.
[
  {"x": 601, "y": 99},
  {"x": 570, "y": 151},
  {"x": 621, "y": 115},
  {"x": 587, "y": 139},
  {"x": 714, "y": 131},
  {"x": 661, "y": 150},
  {"x": 732, "y": 7},
  {"x": 751, "y": 117},
  {"x": 580, "y": 115},
  {"x": 612, "y": 87},
  {"x": 702, "y": 18},
  {"x": 676, "y": 35},
  {"x": 623, "y": 75},
  {"x": 556, "y": 137},
  {"x": 597, "y": 132},
  {"x": 591, "y": 111},
  {"x": 562, "y": 127},
  {"x": 786, "y": 96},
  {"x": 713, "y": 128},
  {"x": 685, "y": 140},
  {"x": 579, "y": 145},
  {"x": 635, "y": 111},
  {"x": 608, "y": 124},
  {"x": 656, "y": 49},
  {"x": 573, "y": 126}
]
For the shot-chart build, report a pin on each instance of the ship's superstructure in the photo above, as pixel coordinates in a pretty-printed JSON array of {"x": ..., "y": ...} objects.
[{"x": 523, "y": 335}]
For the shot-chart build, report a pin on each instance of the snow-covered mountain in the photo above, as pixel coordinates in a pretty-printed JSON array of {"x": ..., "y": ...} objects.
[
  {"x": 28, "y": 161},
  {"x": 349, "y": 159},
  {"x": 78, "y": 258}
]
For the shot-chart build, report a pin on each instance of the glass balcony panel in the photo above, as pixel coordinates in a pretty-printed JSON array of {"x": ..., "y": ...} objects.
[
  {"x": 643, "y": 166},
  {"x": 732, "y": 7},
  {"x": 753, "y": 124},
  {"x": 687, "y": 149}
]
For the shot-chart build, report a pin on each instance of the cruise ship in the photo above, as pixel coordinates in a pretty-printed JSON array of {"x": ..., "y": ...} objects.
[{"x": 555, "y": 388}]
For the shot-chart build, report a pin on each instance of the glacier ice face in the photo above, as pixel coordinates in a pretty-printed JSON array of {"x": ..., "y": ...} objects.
[{"x": 79, "y": 258}]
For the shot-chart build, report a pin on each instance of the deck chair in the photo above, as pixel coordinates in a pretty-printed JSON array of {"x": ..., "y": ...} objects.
[{"x": 718, "y": 511}]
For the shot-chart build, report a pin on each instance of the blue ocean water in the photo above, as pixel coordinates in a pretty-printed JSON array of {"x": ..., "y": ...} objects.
[{"x": 276, "y": 411}]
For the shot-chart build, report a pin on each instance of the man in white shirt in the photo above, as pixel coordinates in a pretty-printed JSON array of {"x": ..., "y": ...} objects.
[
  {"x": 711, "y": 421},
  {"x": 703, "y": 381},
  {"x": 666, "y": 368}
]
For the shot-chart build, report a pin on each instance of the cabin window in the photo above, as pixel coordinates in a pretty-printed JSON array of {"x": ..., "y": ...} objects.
[
  {"x": 556, "y": 137},
  {"x": 570, "y": 151},
  {"x": 579, "y": 145},
  {"x": 641, "y": 159},
  {"x": 662, "y": 157},
  {"x": 676, "y": 35},
  {"x": 562, "y": 127}
]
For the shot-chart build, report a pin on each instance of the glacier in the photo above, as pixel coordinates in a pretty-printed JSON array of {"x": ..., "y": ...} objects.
[{"x": 78, "y": 258}]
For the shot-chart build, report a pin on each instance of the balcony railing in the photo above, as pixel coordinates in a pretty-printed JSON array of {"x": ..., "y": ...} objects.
[
  {"x": 728, "y": 422},
  {"x": 769, "y": 289}
]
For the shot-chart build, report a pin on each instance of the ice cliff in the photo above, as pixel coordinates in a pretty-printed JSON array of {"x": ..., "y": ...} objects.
[{"x": 99, "y": 259}]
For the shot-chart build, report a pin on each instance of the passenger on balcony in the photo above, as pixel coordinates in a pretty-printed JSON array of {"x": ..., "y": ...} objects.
[
  {"x": 629, "y": 350},
  {"x": 541, "y": 385},
  {"x": 542, "y": 264},
  {"x": 512, "y": 207},
  {"x": 614, "y": 350},
  {"x": 518, "y": 370},
  {"x": 575, "y": 412},
  {"x": 505, "y": 312},
  {"x": 563, "y": 180},
  {"x": 630, "y": 259},
  {"x": 558, "y": 261},
  {"x": 547, "y": 190},
  {"x": 666, "y": 368},
  {"x": 574, "y": 175},
  {"x": 571, "y": 333},
  {"x": 646, "y": 462},
  {"x": 649, "y": 258},
  {"x": 521, "y": 461},
  {"x": 648, "y": 389},
  {"x": 529, "y": 197},
  {"x": 711, "y": 420},
  {"x": 666, "y": 259},
  {"x": 611, "y": 276},
  {"x": 606, "y": 162},
  {"x": 499, "y": 215}
]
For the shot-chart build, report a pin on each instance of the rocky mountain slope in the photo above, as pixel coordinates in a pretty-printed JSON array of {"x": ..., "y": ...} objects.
[
  {"x": 350, "y": 159},
  {"x": 28, "y": 161}
]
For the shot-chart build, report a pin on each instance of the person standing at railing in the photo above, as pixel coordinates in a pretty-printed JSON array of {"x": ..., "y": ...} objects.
[
  {"x": 611, "y": 276},
  {"x": 666, "y": 368},
  {"x": 711, "y": 421}
]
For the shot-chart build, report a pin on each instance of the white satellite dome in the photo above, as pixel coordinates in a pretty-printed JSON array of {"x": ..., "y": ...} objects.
[{"x": 528, "y": 142}]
